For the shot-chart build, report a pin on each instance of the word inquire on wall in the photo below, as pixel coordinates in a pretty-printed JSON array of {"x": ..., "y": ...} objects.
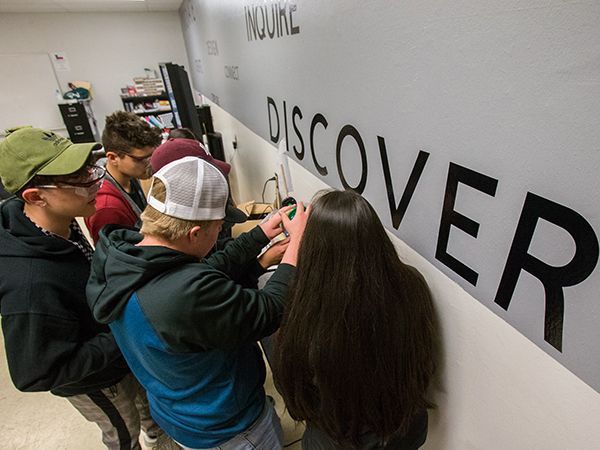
[{"x": 471, "y": 128}]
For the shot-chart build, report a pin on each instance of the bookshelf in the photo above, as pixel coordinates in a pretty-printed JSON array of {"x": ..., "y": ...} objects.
[{"x": 153, "y": 108}]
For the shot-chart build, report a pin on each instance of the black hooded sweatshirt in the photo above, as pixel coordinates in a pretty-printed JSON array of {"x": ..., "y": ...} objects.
[{"x": 52, "y": 341}]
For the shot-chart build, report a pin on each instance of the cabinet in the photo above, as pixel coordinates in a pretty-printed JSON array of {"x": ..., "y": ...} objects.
[{"x": 80, "y": 121}]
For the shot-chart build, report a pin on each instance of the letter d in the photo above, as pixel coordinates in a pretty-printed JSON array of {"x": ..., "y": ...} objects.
[{"x": 274, "y": 137}]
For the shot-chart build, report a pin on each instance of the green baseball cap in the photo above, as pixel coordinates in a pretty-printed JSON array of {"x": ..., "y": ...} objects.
[{"x": 27, "y": 152}]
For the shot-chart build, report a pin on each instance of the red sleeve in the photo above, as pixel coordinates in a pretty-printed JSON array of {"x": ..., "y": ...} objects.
[{"x": 107, "y": 216}]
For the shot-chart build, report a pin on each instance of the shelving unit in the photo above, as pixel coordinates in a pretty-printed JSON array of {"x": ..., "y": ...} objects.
[
  {"x": 149, "y": 112},
  {"x": 144, "y": 98},
  {"x": 138, "y": 105}
]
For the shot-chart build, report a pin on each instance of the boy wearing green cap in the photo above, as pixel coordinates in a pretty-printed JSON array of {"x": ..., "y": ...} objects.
[{"x": 52, "y": 341}]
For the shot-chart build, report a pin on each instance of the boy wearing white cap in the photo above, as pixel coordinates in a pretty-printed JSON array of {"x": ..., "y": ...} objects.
[{"x": 187, "y": 330}]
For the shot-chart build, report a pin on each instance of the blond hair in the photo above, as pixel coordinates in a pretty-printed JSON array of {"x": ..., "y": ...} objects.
[{"x": 157, "y": 224}]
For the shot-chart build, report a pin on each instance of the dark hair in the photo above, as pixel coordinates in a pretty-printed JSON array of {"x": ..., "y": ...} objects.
[
  {"x": 355, "y": 351},
  {"x": 185, "y": 133},
  {"x": 125, "y": 131}
]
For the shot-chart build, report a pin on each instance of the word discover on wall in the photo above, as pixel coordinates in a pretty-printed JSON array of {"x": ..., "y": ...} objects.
[{"x": 535, "y": 207}]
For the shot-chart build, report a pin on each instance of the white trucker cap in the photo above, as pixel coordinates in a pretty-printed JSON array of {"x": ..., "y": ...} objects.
[{"x": 195, "y": 190}]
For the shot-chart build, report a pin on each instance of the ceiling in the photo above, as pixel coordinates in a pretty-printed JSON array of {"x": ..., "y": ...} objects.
[{"x": 62, "y": 6}]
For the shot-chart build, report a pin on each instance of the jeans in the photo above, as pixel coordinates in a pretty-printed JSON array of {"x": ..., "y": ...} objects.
[{"x": 264, "y": 434}]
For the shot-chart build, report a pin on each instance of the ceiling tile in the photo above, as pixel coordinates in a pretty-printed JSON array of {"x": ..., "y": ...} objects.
[
  {"x": 102, "y": 6},
  {"x": 163, "y": 5},
  {"x": 42, "y": 6},
  {"x": 30, "y": 7}
]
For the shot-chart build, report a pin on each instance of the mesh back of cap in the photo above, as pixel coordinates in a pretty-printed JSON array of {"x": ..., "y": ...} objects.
[
  {"x": 196, "y": 190},
  {"x": 212, "y": 188},
  {"x": 182, "y": 180}
]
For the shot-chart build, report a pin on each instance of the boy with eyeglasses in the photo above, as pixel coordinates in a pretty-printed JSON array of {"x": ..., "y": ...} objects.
[
  {"x": 129, "y": 142},
  {"x": 52, "y": 341}
]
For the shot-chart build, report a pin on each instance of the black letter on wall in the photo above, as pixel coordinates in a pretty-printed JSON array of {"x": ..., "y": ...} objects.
[
  {"x": 399, "y": 211},
  {"x": 282, "y": 17},
  {"x": 271, "y": 102},
  {"x": 295, "y": 30},
  {"x": 349, "y": 130},
  {"x": 458, "y": 174},
  {"x": 251, "y": 23},
  {"x": 553, "y": 278},
  {"x": 274, "y": 20},
  {"x": 318, "y": 118},
  {"x": 285, "y": 128},
  {"x": 296, "y": 112},
  {"x": 261, "y": 30}
]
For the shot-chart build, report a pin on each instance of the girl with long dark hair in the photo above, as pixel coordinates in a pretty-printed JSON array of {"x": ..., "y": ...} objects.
[{"x": 355, "y": 350}]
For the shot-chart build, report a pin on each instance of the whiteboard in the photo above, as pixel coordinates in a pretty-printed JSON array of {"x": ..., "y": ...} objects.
[{"x": 28, "y": 92}]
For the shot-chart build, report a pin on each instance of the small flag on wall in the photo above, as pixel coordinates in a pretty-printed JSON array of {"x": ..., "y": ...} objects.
[{"x": 60, "y": 61}]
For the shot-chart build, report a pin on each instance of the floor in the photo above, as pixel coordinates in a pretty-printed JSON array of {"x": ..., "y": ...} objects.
[{"x": 31, "y": 421}]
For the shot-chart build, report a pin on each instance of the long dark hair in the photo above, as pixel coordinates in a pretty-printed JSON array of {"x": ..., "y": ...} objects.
[{"x": 355, "y": 349}]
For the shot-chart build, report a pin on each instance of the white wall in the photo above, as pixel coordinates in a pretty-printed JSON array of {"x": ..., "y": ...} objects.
[
  {"x": 494, "y": 95},
  {"x": 496, "y": 389},
  {"x": 107, "y": 49}
]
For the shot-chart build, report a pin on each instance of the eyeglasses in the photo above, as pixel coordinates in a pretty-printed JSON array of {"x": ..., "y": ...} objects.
[
  {"x": 86, "y": 178},
  {"x": 139, "y": 159}
]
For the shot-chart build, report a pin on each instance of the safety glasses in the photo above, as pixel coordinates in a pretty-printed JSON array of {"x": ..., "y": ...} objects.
[{"x": 85, "y": 178}]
